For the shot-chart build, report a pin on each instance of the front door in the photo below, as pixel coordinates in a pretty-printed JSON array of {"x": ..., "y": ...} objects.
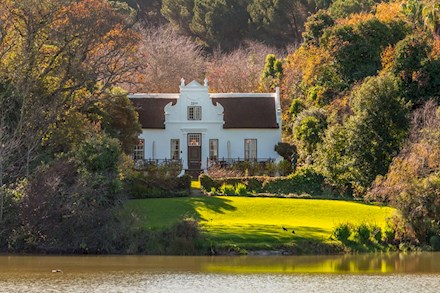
[{"x": 194, "y": 151}]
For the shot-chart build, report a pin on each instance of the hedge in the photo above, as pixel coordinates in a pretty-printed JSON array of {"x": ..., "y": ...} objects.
[
  {"x": 141, "y": 186},
  {"x": 305, "y": 180}
]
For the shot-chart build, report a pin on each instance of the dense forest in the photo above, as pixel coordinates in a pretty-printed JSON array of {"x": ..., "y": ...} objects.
[{"x": 360, "y": 85}]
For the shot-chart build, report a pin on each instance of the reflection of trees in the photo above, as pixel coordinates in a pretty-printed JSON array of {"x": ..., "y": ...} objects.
[{"x": 343, "y": 264}]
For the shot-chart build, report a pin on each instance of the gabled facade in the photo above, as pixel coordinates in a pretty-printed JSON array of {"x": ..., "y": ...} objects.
[{"x": 198, "y": 128}]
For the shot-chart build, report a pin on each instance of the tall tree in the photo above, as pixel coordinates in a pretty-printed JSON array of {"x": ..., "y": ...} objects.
[
  {"x": 220, "y": 23},
  {"x": 179, "y": 13},
  {"x": 370, "y": 137}
]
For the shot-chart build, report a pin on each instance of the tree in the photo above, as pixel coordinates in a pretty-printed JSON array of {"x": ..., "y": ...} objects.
[
  {"x": 237, "y": 71},
  {"x": 343, "y": 8},
  {"x": 431, "y": 17},
  {"x": 51, "y": 67},
  {"x": 412, "y": 182},
  {"x": 272, "y": 73},
  {"x": 315, "y": 26},
  {"x": 179, "y": 13},
  {"x": 166, "y": 58},
  {"x": 219, "y": 23},
  {"x": 370, "y": 138},
  {"x": 277, "y": 22},
  {"x": 308, "y": 129},
  {"x": 357, "y": 48}
]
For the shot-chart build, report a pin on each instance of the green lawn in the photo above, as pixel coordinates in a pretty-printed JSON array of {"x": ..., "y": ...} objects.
[{"x": 257, "y": 222}]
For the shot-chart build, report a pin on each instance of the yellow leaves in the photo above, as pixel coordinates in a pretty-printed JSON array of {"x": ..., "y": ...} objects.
[
  {"x": 388, "y": 12},
  {"x": 435, "y": 53},
  {"x": 387, "y": 58},
  {"x": 355, "y": 18}
]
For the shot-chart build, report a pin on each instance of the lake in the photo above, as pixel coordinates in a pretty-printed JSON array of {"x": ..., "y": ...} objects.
[{"x": 344, "y": 273}]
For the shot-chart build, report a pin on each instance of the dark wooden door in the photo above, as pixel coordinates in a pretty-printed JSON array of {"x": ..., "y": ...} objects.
[{"x": 194, "y": 157}]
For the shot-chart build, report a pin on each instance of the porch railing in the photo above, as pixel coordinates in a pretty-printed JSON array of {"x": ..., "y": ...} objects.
[
  {"x": 140, "y": 164},
  {"x": 228, "y": 162}
]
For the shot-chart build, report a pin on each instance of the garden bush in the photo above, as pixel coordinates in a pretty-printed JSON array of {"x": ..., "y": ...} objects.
[
  {"x": 240, "y": 189},
  {"x": 227, "y": 189},
  {"x": 147, "y": 186},
  {"x": 305, "y": 180}
]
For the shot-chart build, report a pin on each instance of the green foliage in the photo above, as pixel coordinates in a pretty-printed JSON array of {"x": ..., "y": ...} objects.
[
  {"x": 227, "y": 189},
  {"x": 357, "y": 48},
  {"x": 434, "y": 241},
  {"x": 240, "y": 189},
  {"x": 308, "y": 129},
  {"x": 364, "y": 146},
  {"x": 207, "y": 183},
  {"x": 343, "y": 8},
  {"x": 315, "y": 26},
  {"x": 182, "y": 238},
  {"x": 179, "y": 13},
  {"x": 99, "y": 154},
  {"x": 272, "y": 73},
  {"x": 276, "y": 22},
  {"x": 420, "y": 207},
  {"x": 120, "y": 120},
  {"x": 296, "y": 107},
  {"x": 364, "y": 237},
  {"x": 219, "y": 23},
  {"x": 146, "y": 186}
]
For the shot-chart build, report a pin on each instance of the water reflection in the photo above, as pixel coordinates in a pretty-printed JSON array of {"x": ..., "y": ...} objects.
[
  {"x": 348, "y": 273},
  {"x": 422, "y": 263}
]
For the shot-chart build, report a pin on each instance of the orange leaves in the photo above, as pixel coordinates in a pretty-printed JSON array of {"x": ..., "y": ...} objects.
[
  {"x": 355, "y": 18},
  {"x": 435, "y": 54},
  {"x": 387, "y": 58},
  {"x": 388, "y": 12}
]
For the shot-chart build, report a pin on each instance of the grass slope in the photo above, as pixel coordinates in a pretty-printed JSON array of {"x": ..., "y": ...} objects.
[{"x": 257, "y": 222}]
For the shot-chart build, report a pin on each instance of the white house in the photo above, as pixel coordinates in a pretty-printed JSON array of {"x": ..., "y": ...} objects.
[{"x": 198, "y": 127}]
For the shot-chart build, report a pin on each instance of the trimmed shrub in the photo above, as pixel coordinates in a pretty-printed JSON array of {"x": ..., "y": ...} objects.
[
  {"x": 342, "y": 232},
  {"x": 227, "y": 189},
  {"x": 207, "y": 183},
  {"x": 144, "y": 186},
  {"x": 240, "y": 189}
]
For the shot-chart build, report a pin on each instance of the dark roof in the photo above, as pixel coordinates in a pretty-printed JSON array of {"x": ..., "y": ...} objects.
[
  {"x": 151, "y": 111},
  {"x": 248, "y": 112}
]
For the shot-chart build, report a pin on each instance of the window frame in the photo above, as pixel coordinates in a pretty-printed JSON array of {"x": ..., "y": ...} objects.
[
  {"x": 249, "y": 154},
  {"x": 175, "y": 149},
  {"x": 138, "y": 152},
  {"x": 194, "y": 113},
  {"x": 213, "y": 142}
]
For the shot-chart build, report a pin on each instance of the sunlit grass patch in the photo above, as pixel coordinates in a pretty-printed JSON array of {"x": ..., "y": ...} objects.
[
  {"x": 195, "y": 184},
  {"x": 258, "y": 222}
]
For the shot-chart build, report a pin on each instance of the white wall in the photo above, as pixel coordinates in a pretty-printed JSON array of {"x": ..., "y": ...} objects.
[{"x": 211, "y": 127}]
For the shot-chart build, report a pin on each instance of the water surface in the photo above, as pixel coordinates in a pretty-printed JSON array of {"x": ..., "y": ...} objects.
[{"x": 348, "y": 273}]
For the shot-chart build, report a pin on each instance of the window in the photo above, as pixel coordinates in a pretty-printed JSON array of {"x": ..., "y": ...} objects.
[
  {"x": 195, "y": 113},
  {"x": 213, "y": 149},
  {"x": 139, "y": 150},
  {"x": 250, "y": 149},
  {"x": 175, "y": 149},
  {"x": 194, "y": 139}
]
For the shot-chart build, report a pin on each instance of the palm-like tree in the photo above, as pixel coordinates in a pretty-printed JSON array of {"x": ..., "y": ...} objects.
[{"x": 431, "y": 17}]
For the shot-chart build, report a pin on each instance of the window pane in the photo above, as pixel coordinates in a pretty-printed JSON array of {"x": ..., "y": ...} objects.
[
  {"x": 194, "y": 139},
  {"x": 139, "y": 150},
  {"x": 213, "y": 149},
  {"x": 175, "y": 149},
  {"x": 195, "y": 113},
  {"x": 250, "y": 149}
]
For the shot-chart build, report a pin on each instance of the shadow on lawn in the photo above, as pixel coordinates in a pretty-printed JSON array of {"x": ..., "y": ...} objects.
[{"x": 215, "y": 204}]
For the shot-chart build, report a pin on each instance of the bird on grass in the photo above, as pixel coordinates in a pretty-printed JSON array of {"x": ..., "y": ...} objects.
[
  {"x": 293, "y": 231},
  {"x": 284, "y": 229}
]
